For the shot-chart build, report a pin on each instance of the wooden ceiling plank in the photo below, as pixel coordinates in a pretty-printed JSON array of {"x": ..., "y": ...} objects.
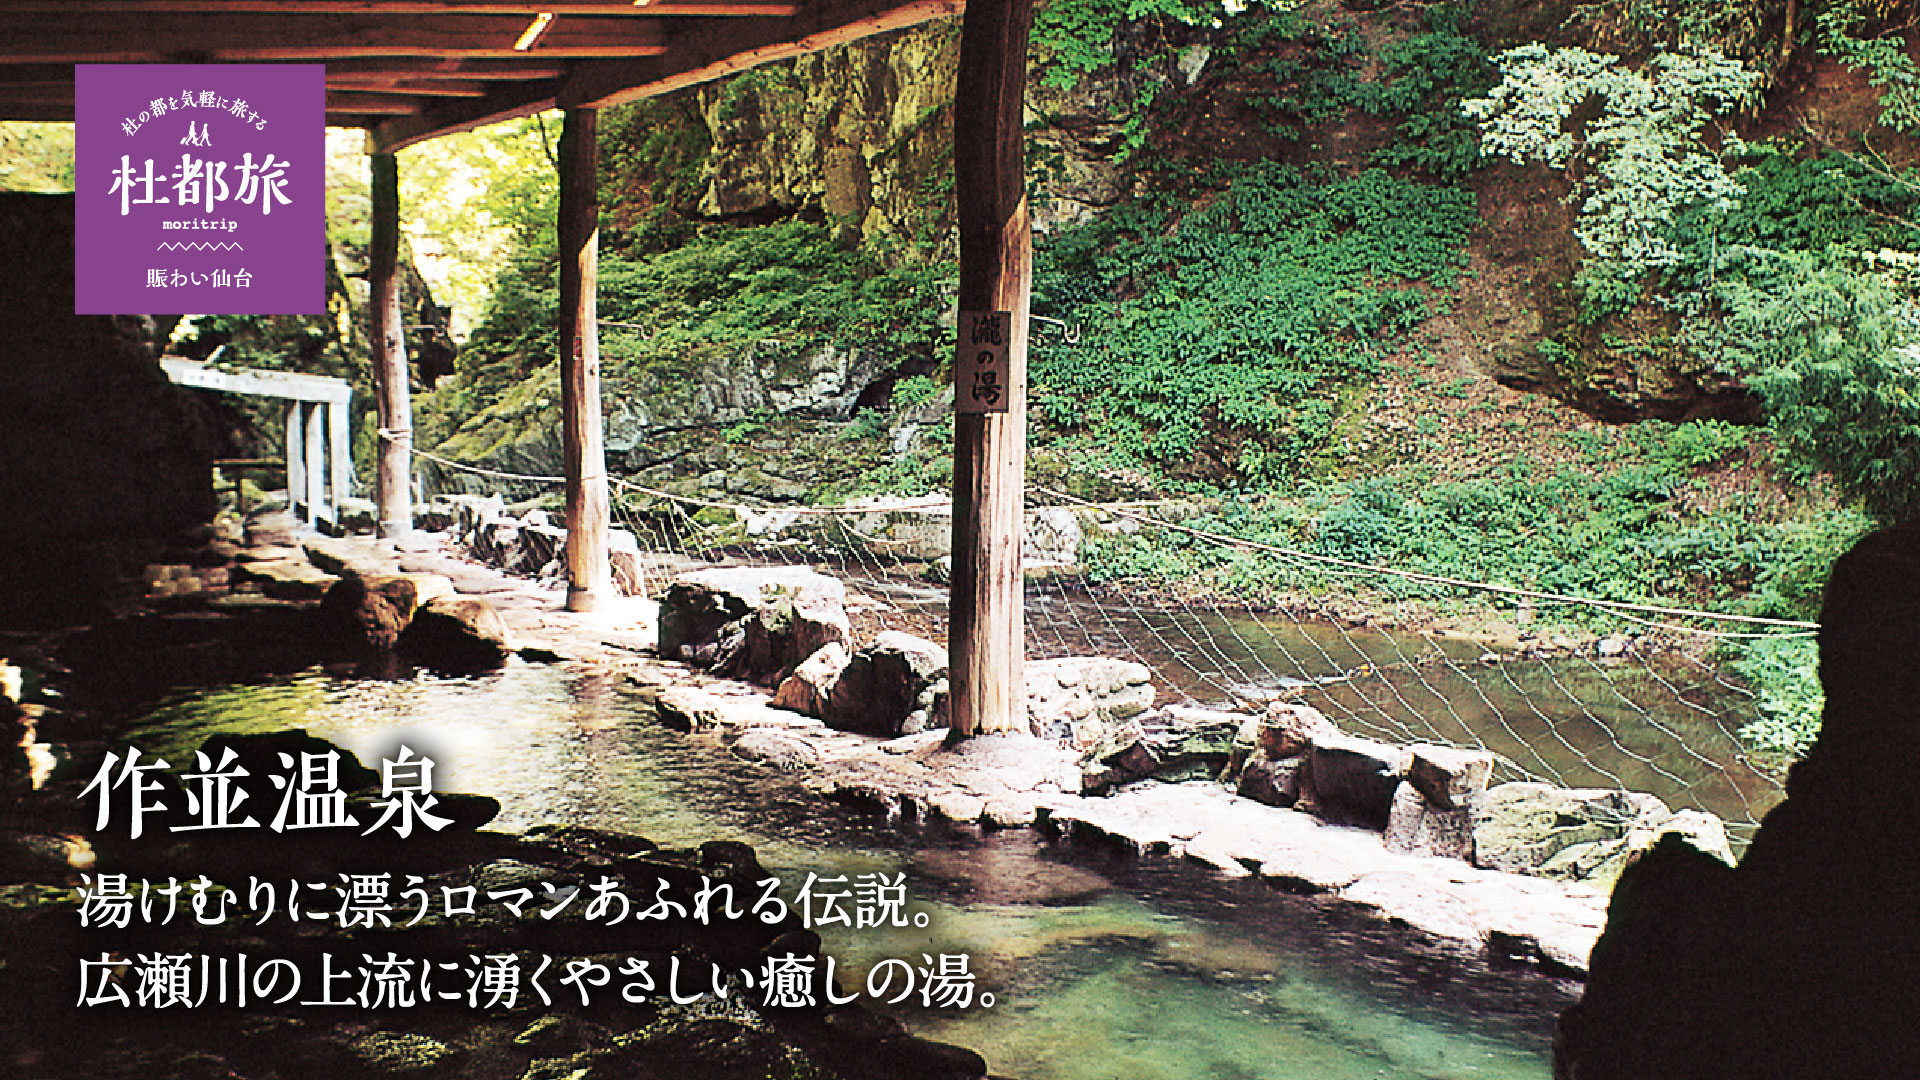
[
  {"x": 520, "y": 68},
  {"x": 713, "y": 49},
  {"x": 462, "y": 114},
  {"x": 40, "y": 40},
  {"x": 372, "y": 104},
  {"x": 52, "y": 111},
  {"x": 414, "y": 87}
]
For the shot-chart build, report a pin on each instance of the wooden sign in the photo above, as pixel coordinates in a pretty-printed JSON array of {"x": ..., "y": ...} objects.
[{"x": 981, "y": 372}]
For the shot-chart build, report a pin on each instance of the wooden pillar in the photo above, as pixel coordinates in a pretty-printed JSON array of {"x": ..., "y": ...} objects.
[
  {"x": 986, "y": 635},
  {"x": 393, "y": 399},
  {"x": 589, "y": 576},
  {"x": 296, "y": 453}
]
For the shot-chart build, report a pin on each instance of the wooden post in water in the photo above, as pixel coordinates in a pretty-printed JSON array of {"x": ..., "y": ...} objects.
[
  {"x": 589, "y": 574},
  {"x": 394, "y": 462},
  {"x": 986, "y": 635}
]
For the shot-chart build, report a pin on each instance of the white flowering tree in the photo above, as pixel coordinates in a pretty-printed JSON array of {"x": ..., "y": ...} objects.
[{"x": 1644, "y": 160}]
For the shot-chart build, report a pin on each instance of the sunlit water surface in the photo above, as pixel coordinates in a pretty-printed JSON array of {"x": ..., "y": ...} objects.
[{"x": 1101, "y": 969}]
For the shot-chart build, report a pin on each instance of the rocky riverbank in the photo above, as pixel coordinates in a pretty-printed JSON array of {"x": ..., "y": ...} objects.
[
  {"x": 326, "y": 953},
  {"x": 1413, "y": 836},
  {"x": 865, "y": 723}
]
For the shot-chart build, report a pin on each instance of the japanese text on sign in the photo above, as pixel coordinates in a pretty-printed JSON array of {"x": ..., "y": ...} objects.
[{"x": 982, "y": 370}]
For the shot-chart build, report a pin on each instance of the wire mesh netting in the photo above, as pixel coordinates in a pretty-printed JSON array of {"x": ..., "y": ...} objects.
[{"x": 1660, "y": 720}]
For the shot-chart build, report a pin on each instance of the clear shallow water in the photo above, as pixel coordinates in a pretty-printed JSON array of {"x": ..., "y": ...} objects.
[
  {"x": 1102, "y": 969},
  {"x": 1667, "y": 728}
]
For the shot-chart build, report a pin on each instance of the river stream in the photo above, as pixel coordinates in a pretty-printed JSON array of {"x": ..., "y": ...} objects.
[{"x": 1100, "y": 968}]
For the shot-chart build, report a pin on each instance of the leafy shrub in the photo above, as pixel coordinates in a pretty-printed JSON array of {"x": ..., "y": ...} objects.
[
  {"x": 1834, "y": 356},
  {"x": 1784, "y": 673},
  {"x": 1244, "y": 317},
  {"x": 915, "y": 390}
]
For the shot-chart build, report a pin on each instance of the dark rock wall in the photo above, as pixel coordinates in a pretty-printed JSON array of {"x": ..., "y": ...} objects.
[
  {"x": 98, "y": 451},
  {"x": 1805, "y": 961}
]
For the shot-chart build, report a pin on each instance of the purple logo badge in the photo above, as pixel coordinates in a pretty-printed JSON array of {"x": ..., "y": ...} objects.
[{"x": 199, "y": 189}]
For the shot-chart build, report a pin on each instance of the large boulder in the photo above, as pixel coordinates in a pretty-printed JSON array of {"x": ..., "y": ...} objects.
[
  {"x": 1276, "y": 783},
  {"x": 1351, "y": 780},
  {"x": 540, "y": 543},
  {"x": 895, "y": 686},
  {"x": 697, "y": 606},
  {"x": 496, "y": 541},
  {"x": 1418, "y": 827},
  {"x": 1178, "y": 742},
  {"x": 788, "y": 628},
  {"x": 1078, "y": 699},
  {"x": 1288, "y": 729},
  {"x": 1448, "y": 777},
  {"x": 805, "y": 691},
  {"x": 1569, "y": 833},
  {"x": 366, "y": 615},
  {"x": 457, "y": 634}
]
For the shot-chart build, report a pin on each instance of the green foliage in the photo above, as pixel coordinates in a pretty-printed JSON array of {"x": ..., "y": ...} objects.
[
  {"x": 475, "y": 199},
  {"x": 1854, "y": 33},
  {"x": 1426, "y": 78},
  {"x": 786, "y": 288},
  {"x": 36, "y": 156},
  {"x": 1834, "y": 356},
  {"x": 1625, "y": 532},
  {"x": 914, "y": 391},
  {"x": 1748, "y": 30},
  {"x": 653, "y": 155},
  {"x": 1696, "y": 444},
  {"x": 1645, "y": 159},
  {"x": 867, "y": 424},
  {"x": 516, "y": 336},
  {"x": 1827, "y": 204},
  {"x": 743, "y": 430},
  {"x": 1784, "y": 673},
  {"x": 1245, "y": 317},
  {"x": 1073, "y": 39},
  {"x": 1315, "y": 80},
  {"x": 788, "y": 283},
  {"x": 770, "y": 85}
]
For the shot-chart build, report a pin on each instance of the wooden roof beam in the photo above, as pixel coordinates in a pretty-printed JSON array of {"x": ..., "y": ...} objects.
[
  {"x": 448, "y": 115},
  {"x": 368, "y": 104},
  {"x": 161, "y": 38},
  {"x": 520, "y": 67},
  {"x": 521, "y": 9},
  {"x": 49, "y": 111},
  {"x": 410, "y": 87},
  {"x": 701, "y": 51}
]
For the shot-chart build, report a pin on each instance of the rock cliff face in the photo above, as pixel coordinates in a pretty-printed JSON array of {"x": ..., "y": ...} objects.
[
  {"x": 852, "y": 133},
  {"x": 756, "y": 421},
  {"x": 1805, "y": 961},
  {"x": 863, "y": 135},
  {"x": 860, "y": 137}
]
